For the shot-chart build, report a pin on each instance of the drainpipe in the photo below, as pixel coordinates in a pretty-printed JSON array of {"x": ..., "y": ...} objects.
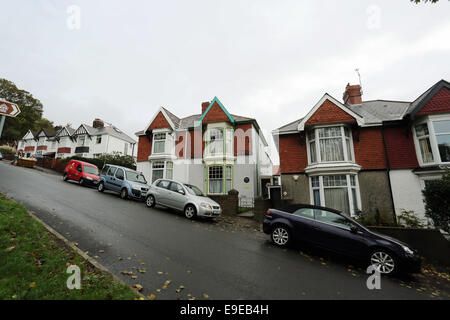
[{"x": 388, "y": 167}]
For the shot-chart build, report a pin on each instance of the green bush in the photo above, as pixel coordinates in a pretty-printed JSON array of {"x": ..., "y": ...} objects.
[
  {"x": 437, "y": 201},
  {"x": 377, "y": 219},
  {"x": 408, "y": 219},
  {"x": 116, "y": 158},
  {"x": 6, "y": 150}
]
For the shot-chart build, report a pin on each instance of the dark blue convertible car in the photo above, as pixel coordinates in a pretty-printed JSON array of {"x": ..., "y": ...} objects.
[{"x": 331, "y": 230}]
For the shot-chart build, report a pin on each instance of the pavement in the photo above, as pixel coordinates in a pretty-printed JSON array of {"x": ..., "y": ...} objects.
[{"x": 175, "y": 258}]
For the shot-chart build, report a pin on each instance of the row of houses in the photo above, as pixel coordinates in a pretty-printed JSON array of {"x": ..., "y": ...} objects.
[
  {"x": 366, "y": 155},
  {"x": 351, "y": 155},
  {"x": 85, "y": 141}
]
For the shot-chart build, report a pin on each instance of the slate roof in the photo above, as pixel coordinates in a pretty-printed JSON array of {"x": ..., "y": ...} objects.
[
  {"x": 111, "y": 130},
  {"x": 378, "y": 111}
]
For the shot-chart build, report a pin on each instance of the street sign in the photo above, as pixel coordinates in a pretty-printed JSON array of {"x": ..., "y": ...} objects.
[{"x": 8, "y": 109}]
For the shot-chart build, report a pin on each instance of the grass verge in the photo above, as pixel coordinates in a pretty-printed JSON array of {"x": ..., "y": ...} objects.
[{"x": 33, "y": 263}]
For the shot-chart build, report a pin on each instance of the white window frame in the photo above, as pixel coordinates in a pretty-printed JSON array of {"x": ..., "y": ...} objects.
[
  {"x": 432, "y": 137},
  {"x": 349, "y": 187},
  {"x": 344, "y": 138},
  {"x": 168, "y": 167},
  {"x": 157, "y": 135}
]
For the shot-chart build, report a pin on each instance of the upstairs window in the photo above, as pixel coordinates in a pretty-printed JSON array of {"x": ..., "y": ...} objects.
[
  {"x": 423, "y": 136},
  {"x": 159, "y": 143},
  {"x": 81, "y": 141},
  {"x": 442, "y": 132},
  {"x": 330, "y": 144},
  {"x": 215, "y": 141}
]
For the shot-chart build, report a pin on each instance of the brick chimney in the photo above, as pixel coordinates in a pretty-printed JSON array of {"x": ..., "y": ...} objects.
[
  {"x": 98, "y": 123},
  {"x": 205, "y": 106},
  {"x": 353, "y": 94}
]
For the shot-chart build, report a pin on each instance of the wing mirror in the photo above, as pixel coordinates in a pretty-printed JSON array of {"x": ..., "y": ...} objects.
[
  {"x": 180, "y": 191},
  {"x": 354, "y": 229}
]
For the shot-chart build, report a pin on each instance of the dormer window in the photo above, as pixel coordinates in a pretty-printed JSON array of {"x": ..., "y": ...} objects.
[
  {"x": 330, "y": 144},
  {"x": 159, "y": 143}
]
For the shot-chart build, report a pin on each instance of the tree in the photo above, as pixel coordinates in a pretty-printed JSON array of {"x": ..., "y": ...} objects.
[
  {"x": 437, "y": 201},
  {"x": 30, "y": 117}
]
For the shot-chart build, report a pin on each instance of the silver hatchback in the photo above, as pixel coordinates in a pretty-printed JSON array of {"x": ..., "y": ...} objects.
[{"x": 183, "y": 197}]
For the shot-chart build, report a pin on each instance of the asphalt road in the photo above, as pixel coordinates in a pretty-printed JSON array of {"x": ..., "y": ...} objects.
[{"x": 209, "y": 259}]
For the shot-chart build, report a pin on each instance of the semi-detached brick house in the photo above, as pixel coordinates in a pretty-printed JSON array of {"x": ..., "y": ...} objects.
[
  {"x": 366, "y": 155},
  {"x": 214, "y": 150}
]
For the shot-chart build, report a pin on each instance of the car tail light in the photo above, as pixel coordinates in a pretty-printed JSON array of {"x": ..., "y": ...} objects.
[{"x": 268, "y": 213}]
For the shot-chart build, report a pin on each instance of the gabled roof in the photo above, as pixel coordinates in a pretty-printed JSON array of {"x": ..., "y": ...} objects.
[
  {"x": 109, "y": 130},
  {"x": 170, "y": 117},
  {"x": 216, "y": 100},
  {"x": 326, "y": 96},
  {"x": 425, "y": 97},
  {"x": 33, "y": 134},
  {"x": 47, "y": 132}
]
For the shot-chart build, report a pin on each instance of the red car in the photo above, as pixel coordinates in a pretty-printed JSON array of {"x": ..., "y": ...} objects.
[{"x": 83, "y": 172}]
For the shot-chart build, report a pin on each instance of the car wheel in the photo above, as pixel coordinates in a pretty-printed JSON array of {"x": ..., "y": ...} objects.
[
  {"x": 383, "y": 261},
  {"x": 101, "y": 187},
  {"x": 150, "y": 201},
  {"x": 190, "y": 212},
  {"x": 81, "y": 182},
  {"x": 124, "y": 193},
  {"x": 281, "y": 236},
  {"x": 65, "y": 177}
]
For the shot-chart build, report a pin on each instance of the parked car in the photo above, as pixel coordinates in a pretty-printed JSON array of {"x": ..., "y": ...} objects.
[
  {"x": 331, "y": 230},
  {"x": 83, "y": 172},
  {"x": 183, "y": 197},
  {"x": 127, "y": 182},
  {"x": 1, "y": 156}
]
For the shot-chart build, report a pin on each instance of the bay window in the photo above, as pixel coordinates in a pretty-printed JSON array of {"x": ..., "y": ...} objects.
[
  {"x": 339, "y": 192},
  {"x": 423, "y": 136},
  {"x": 432, "y": 138},
  {"x": 159, "y": 143},
  {"x": 162, "y": 170},
  {"x": 442, "y": 132},
  {"x": 219, "y": 141},
  {"x": 220, "y": 179},
  {"x": 330, "y": 144}
]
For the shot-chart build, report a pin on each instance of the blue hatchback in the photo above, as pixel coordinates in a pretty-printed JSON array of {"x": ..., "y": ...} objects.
[{"x": 127, "y": 182}]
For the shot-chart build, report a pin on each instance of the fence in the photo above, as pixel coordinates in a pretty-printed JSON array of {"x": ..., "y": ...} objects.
[{"x": 54, "y": 164}]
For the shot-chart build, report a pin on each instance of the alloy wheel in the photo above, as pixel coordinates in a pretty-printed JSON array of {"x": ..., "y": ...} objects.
[
  {"x": 280, "y": 236},
  {"x": 189, "y": 212},
  {"x": 150, "y": 202},
  {"x": 101, "y": 187},
  {"x": 123, "y": 194},
  {"x": 383, "y": 262}
]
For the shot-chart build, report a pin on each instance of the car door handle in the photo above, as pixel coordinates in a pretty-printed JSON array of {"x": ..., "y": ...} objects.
[{"x": 316, "y": 228}]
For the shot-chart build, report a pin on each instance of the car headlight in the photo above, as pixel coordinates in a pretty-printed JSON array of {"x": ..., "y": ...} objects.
[
  {"x": 88, "y": 178},
  {"x": 136, "y": 187},
  {"x": 206, "y": 206},
  {"x": 408, "y": 250}
]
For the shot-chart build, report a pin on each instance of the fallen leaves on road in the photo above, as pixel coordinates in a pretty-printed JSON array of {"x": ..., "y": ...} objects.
[
  {"x": 138, "y": 287},
  {"x": 101, "y": 251},
  {"x": 151, "y": 297}
]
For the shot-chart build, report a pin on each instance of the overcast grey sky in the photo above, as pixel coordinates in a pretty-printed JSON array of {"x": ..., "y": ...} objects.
[{"x": 271, "y": 60}]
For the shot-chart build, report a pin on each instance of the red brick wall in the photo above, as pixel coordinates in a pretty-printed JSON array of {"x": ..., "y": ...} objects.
[
  {"x": 180, "y": 144},
  {"x": 215, "y": 114},
  {"x": 144, "y": 148},
  {"x": 439, "y": 103},
  {"x": 369, "y": 151},
  {"x": 243, "y": 139},
  {"x": 400, "y": 147},
  {"x": 29, "y": 148},
  {"x": 293, "y": 155},
  {"x": 328, "y": 112},
  {"x": 159, "y": 122},
  {"x": 191, "y": 151}
]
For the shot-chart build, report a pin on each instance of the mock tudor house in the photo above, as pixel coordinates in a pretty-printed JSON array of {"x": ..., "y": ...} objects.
[
  {"x": 85, "y": 141},
  {"x": 366, "y": 155},
  {"x": 214, "y": 150}
]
